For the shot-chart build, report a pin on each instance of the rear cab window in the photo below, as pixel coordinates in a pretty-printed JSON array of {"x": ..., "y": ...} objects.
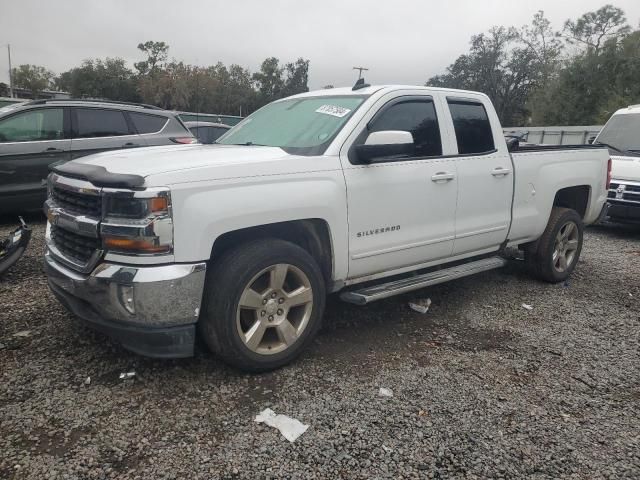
[
  {"x": 474, "y": 135},
  {"x": 96, "y": 122}
]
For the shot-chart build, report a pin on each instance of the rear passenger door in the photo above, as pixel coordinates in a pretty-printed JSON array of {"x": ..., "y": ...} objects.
[
  {"x": 96, "y": 130},
  {"x": 485, "y": 178}
]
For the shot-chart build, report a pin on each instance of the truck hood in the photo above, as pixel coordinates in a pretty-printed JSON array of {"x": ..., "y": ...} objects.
[
  {"x": 625, "y": 168},
  {"x": 150, "y": 161}
]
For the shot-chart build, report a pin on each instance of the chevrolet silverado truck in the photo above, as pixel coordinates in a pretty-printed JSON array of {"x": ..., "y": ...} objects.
[
  {"x": 621, "y": 135},
  {"x": 371, "y": 191}
]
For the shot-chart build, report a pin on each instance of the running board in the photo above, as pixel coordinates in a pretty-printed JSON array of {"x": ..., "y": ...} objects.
[{"x": 396, "y": 287}]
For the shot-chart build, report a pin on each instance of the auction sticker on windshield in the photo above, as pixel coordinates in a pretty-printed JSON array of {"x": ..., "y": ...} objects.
[{"x": 333, "y": 110}]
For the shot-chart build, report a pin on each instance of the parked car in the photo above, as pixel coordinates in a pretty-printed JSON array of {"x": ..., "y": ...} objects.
[
  {"x": 207, "y": 132},
  {"x": 371, "y": 191},
  {"x": 36, "y": 134},
  {"x": 621, "y": 135}
]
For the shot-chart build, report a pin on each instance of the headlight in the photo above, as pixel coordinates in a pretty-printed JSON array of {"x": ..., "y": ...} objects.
[
  {"x": 137, "y": 222},
  {"x": 135, "y": 208}
]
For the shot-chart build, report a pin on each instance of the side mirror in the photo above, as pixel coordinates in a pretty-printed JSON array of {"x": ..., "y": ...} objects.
[
  {"x": 591, "y": 140},
  {"x": 384, "y": 145},
  {"x": 513, "y": 144}
]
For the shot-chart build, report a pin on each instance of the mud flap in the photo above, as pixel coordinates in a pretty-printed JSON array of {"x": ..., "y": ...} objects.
[{"x": 12, "y": 248}]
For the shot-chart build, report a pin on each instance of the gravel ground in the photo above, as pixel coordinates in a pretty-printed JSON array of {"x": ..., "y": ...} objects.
[{"x": 482, "y": 386}]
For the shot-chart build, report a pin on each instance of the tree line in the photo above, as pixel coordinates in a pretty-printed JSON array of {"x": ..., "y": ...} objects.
[
  {"x": 536, "y": 75},
  {"x": 170, "y": 84}
]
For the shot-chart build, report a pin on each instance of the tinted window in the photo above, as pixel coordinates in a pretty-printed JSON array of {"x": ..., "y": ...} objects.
[
  {"x": 417, "y": 117},
  {"x": 40, "y": 124},
  {"x": 473, "y": 130},
  {"x": 93, "y": 122},
  {"x": 147, "y": 123}
]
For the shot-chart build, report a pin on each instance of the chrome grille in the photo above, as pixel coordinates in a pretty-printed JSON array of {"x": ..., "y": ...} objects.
[
  {"x": 75, "y": 246},
  {"x": 624, "y": 192},
  {"x": 77, "y": 202}
]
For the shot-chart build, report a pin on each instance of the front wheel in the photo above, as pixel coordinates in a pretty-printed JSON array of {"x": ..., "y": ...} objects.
[
  {"x": 555, "y": 255},
  {"x": 263, "y": 304}
]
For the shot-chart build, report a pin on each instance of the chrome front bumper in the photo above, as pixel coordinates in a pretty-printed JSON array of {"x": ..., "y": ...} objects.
[{"x": 130, "y": 302}]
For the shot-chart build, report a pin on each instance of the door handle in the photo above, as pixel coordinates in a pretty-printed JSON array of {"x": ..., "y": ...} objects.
[
  {"x": 131, "y": 144},
  {"x": 53, "y": 150},
  {"x": 442, "y": 177},
  {"x": 501, "y": 172}
]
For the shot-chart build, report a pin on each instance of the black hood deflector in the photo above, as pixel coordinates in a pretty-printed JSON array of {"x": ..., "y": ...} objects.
[{"x": 98, "y": 175}]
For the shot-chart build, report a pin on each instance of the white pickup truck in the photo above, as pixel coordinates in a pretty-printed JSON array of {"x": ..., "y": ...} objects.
[
  {"x": 621, "y": 135},
  {"x": 371, "y": 191}
]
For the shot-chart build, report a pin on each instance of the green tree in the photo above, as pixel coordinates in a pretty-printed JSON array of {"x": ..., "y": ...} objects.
[
  {"x": 269, "y": 80},
  {"x": 157, "y": 54},
  {"x": 33, "y": 78},
  {"x": 297, "y": 77},
  {"x": 109, "y": 78},
  {"x": 593, "y": 29},
  {"x": 600, "y": 78},
  {"x": 4, "y": 90},
  {"x": 500, "y": 66}
]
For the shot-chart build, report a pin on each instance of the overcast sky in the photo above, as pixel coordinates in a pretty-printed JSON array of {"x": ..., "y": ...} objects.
[{"x": 400, "y": 41}]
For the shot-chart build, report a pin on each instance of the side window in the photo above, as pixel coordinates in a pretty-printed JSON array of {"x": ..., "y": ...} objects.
[
  {"x": 147, "y": 123},
  {"x": 94, "y": 122},
  {"x": 417, "y": 117},
  {"x": 473, "y": 130},
  {"x": 33, "y": 125},
  {"x": 217, "y": 132}
]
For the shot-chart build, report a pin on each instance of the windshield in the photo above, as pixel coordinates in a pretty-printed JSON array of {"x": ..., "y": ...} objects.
[
  {"x": 303, "y": 126},
  {"x": 622, "y": 132}
]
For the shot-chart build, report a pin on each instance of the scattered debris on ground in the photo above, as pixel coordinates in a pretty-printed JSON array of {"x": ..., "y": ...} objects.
[
  {"x": 421, "y": 306},
  {"x": 385, "y": 392},
  {"x": 488, "y": 391},
  {"x": 290, "y": 428}
]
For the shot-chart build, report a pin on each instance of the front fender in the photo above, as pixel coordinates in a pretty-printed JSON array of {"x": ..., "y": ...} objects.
[{"x": 205, "y": 211}]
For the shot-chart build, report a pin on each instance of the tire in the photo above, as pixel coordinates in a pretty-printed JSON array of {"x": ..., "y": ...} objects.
[
  {"x": 564, "y": 233},
  {"x": 269, "y": 330}
]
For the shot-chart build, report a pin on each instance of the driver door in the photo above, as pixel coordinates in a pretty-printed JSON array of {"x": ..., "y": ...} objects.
[{"x": 401, "y": 210}]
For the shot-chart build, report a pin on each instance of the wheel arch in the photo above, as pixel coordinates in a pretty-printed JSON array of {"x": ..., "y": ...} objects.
[
  {"x": 575, "y": 197},
  {"x": 311, "y": 234}
]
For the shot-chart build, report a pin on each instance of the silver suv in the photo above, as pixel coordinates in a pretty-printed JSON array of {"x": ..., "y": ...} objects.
[{"x": 36, "y": 134}]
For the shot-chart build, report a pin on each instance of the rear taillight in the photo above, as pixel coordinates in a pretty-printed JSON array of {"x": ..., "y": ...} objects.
[
  {"x": 609, "y": 174},
  {"x": 183, "y": 140}
]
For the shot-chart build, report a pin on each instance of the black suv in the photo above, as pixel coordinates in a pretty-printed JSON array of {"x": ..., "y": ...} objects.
[{"x": 36, "y": 134}]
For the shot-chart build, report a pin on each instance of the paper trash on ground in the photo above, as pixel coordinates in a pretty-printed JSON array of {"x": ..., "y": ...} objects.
[
  {"x": 385, "y": 392},
  {"x": 289, "y": 427},
  {"x": 421, "y": 306},
  {"x": 527, "y": 306},
  {"x": 125, "y": 375}
]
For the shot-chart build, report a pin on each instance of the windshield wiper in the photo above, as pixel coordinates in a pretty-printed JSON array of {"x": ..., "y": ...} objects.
[{"x": 246, "y": 144}]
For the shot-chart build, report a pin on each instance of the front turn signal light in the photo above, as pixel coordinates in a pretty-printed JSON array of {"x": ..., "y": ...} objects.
[{"x": 134, "y": 245}]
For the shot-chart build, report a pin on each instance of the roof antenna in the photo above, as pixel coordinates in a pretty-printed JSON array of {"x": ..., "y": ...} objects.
[{"x": 360, "y": 84}]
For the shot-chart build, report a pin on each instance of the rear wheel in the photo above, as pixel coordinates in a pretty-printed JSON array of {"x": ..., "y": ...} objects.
[
  {"x": 555, "y": 255},
  {"x": 263, "y": 304}
]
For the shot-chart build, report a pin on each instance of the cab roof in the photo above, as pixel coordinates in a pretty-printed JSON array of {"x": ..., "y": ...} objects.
[{"x": 370, "y": 90}]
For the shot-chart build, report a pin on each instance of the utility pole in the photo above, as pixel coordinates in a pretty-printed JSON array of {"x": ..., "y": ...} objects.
[
  {"x": 360, "y": 70},
  {"x": 10, "y": 71}
]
